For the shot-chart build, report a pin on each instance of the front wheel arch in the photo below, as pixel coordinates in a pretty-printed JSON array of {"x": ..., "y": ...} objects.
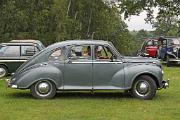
[
  {"x": 148, "y": 74},
  {"x": 144, "y": 87}
]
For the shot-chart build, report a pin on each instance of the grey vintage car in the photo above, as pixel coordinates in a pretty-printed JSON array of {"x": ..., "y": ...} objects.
[{"x": 88, "y": 65}]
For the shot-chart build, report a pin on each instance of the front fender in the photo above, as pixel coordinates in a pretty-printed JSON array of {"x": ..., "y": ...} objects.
[
  {"x": 133, "y": 71},
  {"x": 171, "y": 55},
  {"x": 48, "y": 72}
]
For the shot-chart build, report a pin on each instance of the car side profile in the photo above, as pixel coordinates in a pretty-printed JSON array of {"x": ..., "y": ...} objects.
[
  {"x": 77, "y": 65},
  {"x": 15, "y": 53}
]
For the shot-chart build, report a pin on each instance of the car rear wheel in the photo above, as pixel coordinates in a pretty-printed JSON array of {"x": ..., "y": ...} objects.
[
  {"x": 43, "y": 89},
  {"x": 144, "y": 87},
  {"x": 3, "y": 71}
]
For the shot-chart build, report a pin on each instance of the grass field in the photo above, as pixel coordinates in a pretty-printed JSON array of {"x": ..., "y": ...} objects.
[{"x": 20, "y": 105}]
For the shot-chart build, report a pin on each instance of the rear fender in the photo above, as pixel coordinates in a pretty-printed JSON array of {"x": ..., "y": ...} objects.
[
  {"x": 171, "y": 55},
  {"x": 49, "y": 72}
]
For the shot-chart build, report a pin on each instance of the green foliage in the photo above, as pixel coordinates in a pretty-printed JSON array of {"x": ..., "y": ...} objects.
[
  {"x": 141, "y": 35},
  {"x": 57, "y": 20},
  {"x": 167, "y": 19}
]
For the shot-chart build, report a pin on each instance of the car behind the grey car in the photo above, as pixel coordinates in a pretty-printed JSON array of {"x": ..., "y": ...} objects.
[
  {"x": 90, "y": 65},
  {"x": 16, "y": 52}
]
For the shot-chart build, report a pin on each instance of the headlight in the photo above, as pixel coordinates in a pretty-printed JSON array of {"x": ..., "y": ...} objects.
[
  {"x": 174, "y": 49},
  {"x": 162, "y": 72}
]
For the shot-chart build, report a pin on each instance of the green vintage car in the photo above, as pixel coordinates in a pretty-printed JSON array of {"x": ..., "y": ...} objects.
[
  {"x": 90, "y": 65},
  {"x": 16, "y": 52}
]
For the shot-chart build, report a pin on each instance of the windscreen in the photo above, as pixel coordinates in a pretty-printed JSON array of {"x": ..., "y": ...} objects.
[{"x": 176, "y": 41}]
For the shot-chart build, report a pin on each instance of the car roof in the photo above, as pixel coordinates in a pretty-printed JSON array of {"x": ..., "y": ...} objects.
[
  {"x": 172, "y": 38},
  {"x": 76, "y": 42},
  {"x": 25, "y": 41},
  {"x": 154, "y": 39},
  {"x": 83, "y": 42},
  {"x": 168, "y": 37},
  {"x": 17, "y": 44}
]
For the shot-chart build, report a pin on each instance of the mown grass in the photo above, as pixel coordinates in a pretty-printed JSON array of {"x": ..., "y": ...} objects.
[{"x": 20, "y": 105}]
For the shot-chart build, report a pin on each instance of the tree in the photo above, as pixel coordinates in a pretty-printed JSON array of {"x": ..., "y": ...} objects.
[
  {"x": 57, "y": 20},
  {"x": 168, "y": 16}
]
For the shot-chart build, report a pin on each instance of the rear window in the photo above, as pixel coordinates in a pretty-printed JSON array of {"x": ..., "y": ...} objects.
[
  {"x": 28, "y": 50},
  {"x": 56, "y": 55}
]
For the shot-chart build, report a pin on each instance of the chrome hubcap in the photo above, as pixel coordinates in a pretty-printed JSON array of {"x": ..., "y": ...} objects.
[
  {"x": 2, "y": 72},
  {"x": 43, "y": 88},
  {"x": 142, "y": 87}
]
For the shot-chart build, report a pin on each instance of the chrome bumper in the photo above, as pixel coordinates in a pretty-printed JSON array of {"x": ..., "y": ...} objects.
[
  {"x": 165, "y": 84},
  {"x": 8, "y": 84}
]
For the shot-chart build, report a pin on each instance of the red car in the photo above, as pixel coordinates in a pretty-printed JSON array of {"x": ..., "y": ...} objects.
[{"x": 149, "y": 48}]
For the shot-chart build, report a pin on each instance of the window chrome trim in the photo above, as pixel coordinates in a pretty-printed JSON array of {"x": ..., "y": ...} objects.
[
  {"x": 82, "y": 62},
  {"x": 13, "y": 60},
  {"x": 97, "y": 62},
  {"x": 107, "y": 62}
]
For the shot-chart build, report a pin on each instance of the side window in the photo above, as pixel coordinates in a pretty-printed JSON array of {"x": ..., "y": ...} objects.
[
  {"x": 103, "y": 52},
  {"x": 155, "y": 43},
  {"x": 2, "y": 49},
  {"x": 56, "y": 55},
  {"x": 164, "y": 42},
  {"x": 171, "y": 42},
  {"x": 12, "y": 51},
  {"x": 80, "y": 52},
  {"x": 149, "y": 43},
  {"x": 28, "y": 50}
]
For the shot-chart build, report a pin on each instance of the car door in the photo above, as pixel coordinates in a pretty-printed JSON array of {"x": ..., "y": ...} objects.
[
  {"x": 78, "y": 68},
  {"x": 163, "y": 48},
  {"x": 150, "y": 48},
  {"x": 10, "y": 57},
  {"x": 108, "y": 72}
]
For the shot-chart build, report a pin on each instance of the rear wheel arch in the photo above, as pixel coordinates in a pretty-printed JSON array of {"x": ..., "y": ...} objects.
[
  {"x": 43, "y": 89},
  {"x": 30, "y": 77},
  {"x": 5, "y": 66},
  {"x": 42, "y": 79},
  {"x": 4, "y": 71}
]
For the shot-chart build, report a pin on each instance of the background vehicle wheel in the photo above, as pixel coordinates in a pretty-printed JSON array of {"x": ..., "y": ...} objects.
[
  {"x": 168, "y": 63},
  {"x": 3, "y": 71},
  {"x": 43, "y": 89},
  {"x": 144, "y": 87}
]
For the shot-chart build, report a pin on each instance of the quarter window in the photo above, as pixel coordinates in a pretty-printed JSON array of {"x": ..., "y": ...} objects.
[
  {"x": 56, "y": 55},
  {"x": 28, "y": 50},
  {"x": 150, "y": 43}
]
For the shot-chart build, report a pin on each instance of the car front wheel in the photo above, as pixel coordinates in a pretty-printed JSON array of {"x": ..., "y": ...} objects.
[
  {"x": 43, "y": 89},
  {"x": 144, "y": 87}
]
